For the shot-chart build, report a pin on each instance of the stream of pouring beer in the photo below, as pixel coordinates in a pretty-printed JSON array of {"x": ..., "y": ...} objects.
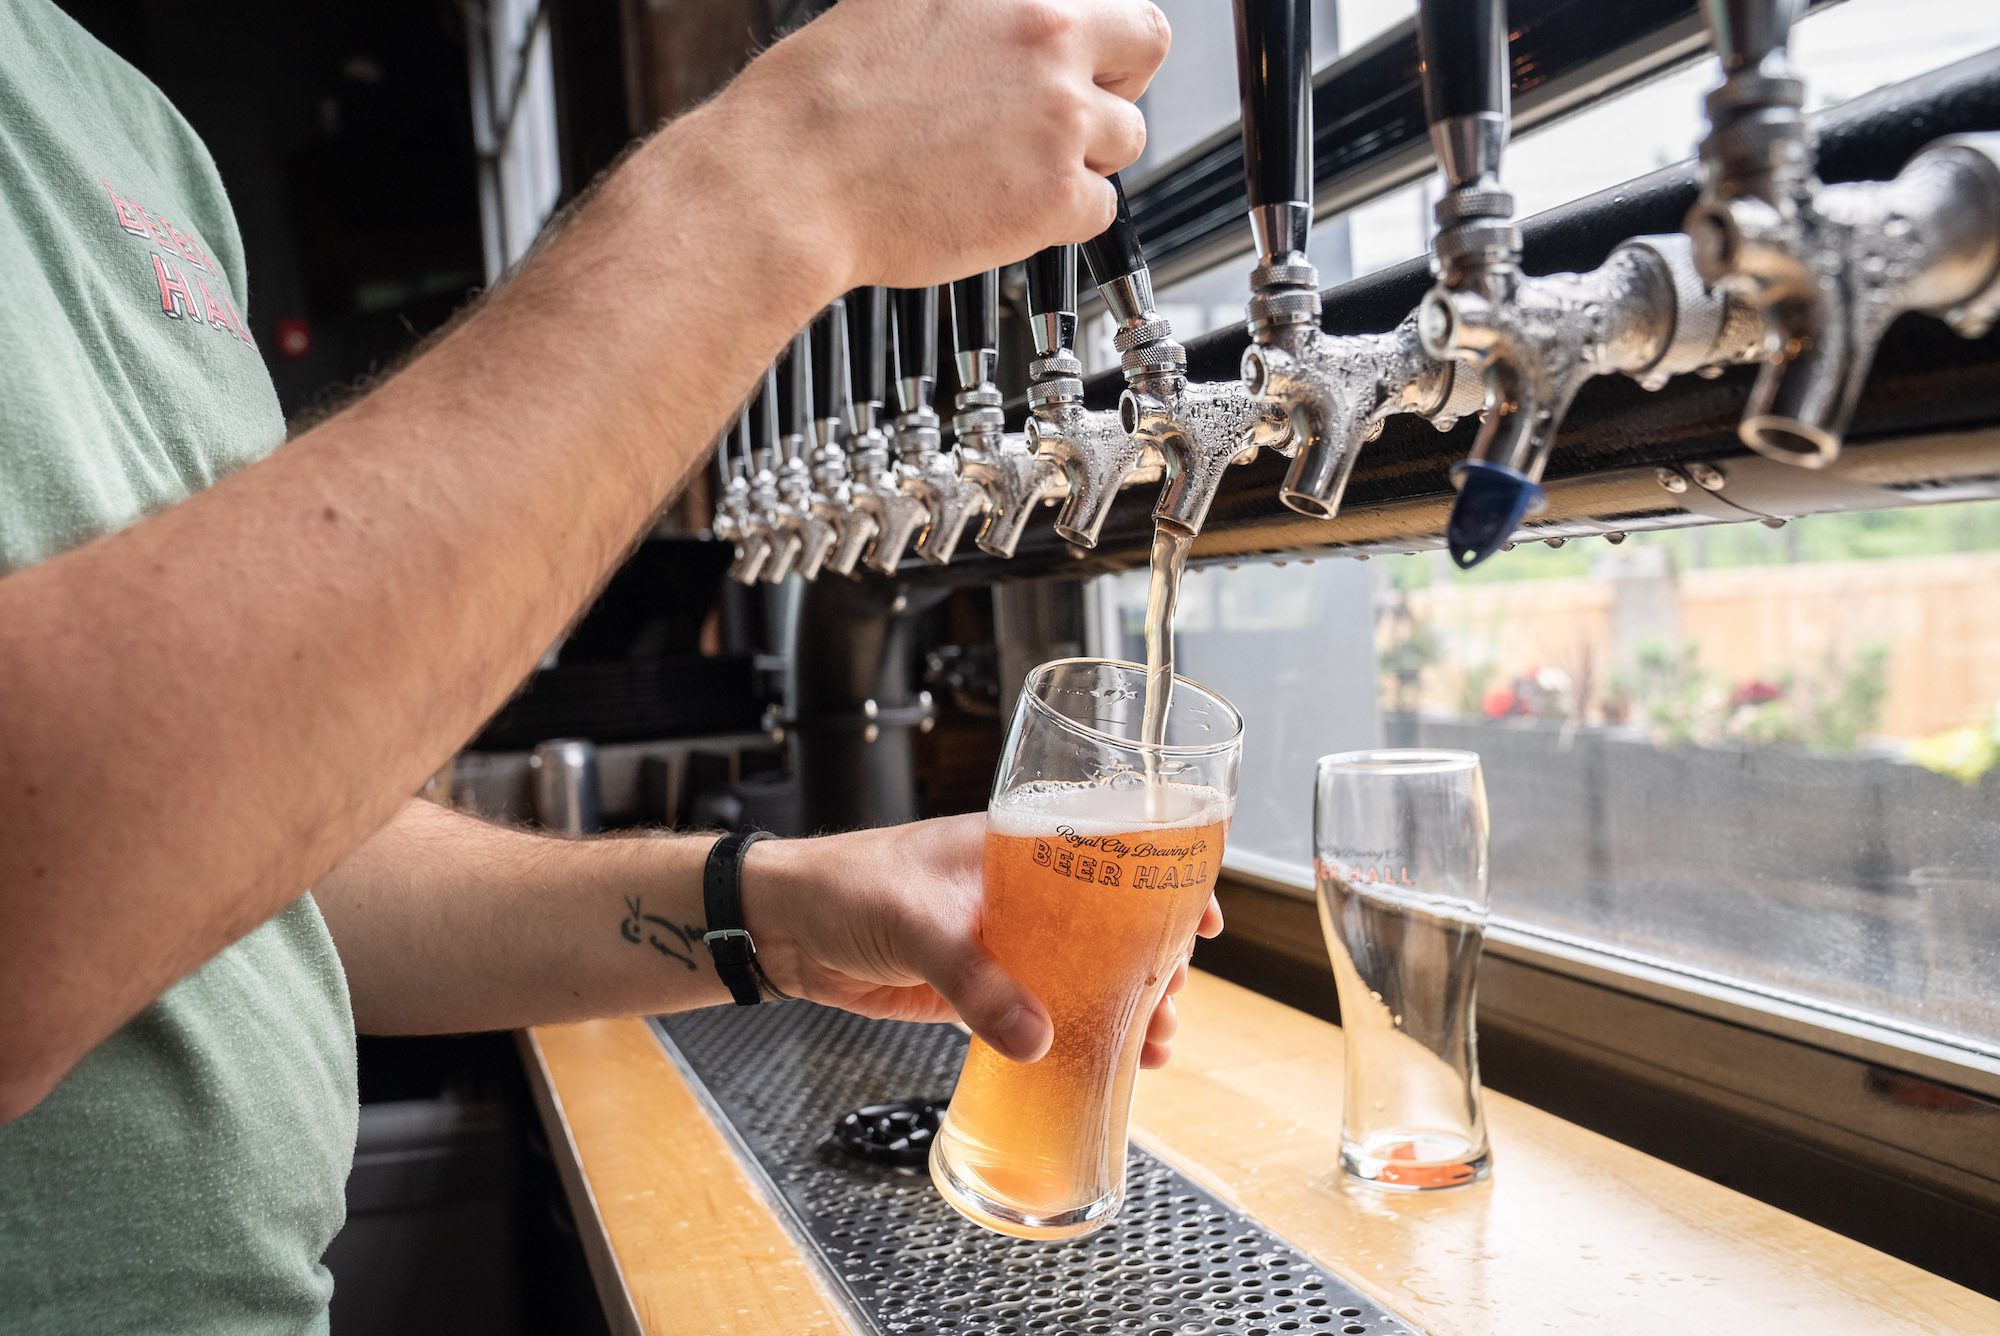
[{"x": 1170, "y": 549}]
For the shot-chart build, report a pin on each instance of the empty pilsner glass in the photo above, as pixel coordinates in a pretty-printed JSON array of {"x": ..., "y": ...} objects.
[
  {"x": 1101, "y": 852},
  {"x": 1399, "y": 844}
]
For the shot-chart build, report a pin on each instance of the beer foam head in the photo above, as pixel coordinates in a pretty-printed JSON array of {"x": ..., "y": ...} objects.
[{"x": 1106, "y": 809}]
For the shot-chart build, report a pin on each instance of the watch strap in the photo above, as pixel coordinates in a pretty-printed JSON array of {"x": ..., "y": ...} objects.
[{"x": 728, "y": 941}]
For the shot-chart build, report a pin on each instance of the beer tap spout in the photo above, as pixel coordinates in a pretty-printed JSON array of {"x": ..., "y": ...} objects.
[
  {"x": 1336, "y": 391},
  {"x": 805, "y": 512},
  {"x": 1013, "y": 478},
  {"x": 1084, "y": 453},
  {"x": 875, "y": 488},
  {"x": 734, "y": 519},
  {"x": 1198, "y": 429},
  {"x": 1535, "y": 339},
  {"x": 1829, "y": 267},
  {"x": 834, "y": 485},
  {"x": 769, "y": 511},
  {"x": 929, "y": 475}
]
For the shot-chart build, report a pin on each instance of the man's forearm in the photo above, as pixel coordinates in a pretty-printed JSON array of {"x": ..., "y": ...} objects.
[
  {"x": 446, "y": 923},
  {"x": 207, "y": 711}
]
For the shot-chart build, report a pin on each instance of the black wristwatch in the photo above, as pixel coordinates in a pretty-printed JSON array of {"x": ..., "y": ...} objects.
[{"x": 728, "y": 941}]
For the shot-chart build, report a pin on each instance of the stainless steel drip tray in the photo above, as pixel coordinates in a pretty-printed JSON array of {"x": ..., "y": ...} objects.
[{"x": 1176, "y": 1262}]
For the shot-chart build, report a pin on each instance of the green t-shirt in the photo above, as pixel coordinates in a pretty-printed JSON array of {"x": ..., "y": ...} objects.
[{"x": 188, "y": 1174}]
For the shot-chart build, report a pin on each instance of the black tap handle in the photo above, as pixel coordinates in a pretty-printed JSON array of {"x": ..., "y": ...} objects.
[
  {"x": 764, "y": 409},
  {"x": 829, "y": 377},
  {"x": 915, "y": 333},
  {"x": 867, "y": 331},
  {"x": 1274, "y": 78},
  {"x": 975, "y": 313},
  {"x": 1115, "y": 252},
  {"x": 1052, "y": 282},
  {"x": 1464, "y": 46},
  {"x": 746, "y": 430},
  {"x": 1747, "y": 31},
  {"x": 795, "y": 380}
]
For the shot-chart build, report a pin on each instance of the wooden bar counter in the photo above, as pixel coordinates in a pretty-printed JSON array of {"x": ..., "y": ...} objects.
[{"x": 1573, "y": 1233}]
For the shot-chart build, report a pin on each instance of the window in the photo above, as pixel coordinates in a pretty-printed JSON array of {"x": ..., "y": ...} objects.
[
  {"x": 1758, "y": 761},
  {"x": 513, "y": 125}
]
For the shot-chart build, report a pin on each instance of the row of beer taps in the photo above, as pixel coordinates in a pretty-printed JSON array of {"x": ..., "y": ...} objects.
[{"x": 1773, "y": 267}]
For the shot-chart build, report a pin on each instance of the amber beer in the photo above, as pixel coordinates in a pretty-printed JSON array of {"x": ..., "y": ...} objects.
[{"x": 1092, "y": 897}]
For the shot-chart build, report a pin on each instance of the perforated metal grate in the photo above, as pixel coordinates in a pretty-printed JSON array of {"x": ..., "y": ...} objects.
[{"x": 1176, "y": 1262}]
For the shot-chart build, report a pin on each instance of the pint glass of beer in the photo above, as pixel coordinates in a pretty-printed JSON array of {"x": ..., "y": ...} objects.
[{"x": 1101, "y": 852}]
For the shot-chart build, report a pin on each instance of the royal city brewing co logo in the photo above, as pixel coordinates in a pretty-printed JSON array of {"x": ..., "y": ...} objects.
[{"x": 1109, "y": 860}]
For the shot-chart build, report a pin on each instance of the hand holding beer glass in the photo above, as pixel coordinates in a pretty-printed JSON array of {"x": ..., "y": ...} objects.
[{"x": 1101, "y": 853}]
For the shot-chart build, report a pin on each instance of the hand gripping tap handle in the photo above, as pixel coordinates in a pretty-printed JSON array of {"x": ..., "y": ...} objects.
[
  {"x": 1052, "y": 298},
  {"x": 975, "y": 328},
  {"x": 1274, "y": 76},
  {"x": 1464, "y": 46},
  {"x": 1115, "y": 252},
  {"x": 913, "y": 336},
  {"x": 867, "y": 364}
]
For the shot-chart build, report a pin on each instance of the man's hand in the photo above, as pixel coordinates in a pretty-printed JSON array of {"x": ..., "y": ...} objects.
[
  {"x": 447, "y": 923},
  {"x": 886, "y": 923},
  {"x": 936, "y": 139}
]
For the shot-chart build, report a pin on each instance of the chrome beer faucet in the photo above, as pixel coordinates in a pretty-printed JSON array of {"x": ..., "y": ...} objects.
[
  {"x": 768, "y": 511},
  {"x": 733, "y": 519},
  {"x": 876, "y": 487},
  {"x": 833, "y": 487},
  {"x": 928, "y": 474},
  {"x": 1335, "y": 389},
  {"x": 1830, "y": 267},
  {"x": 803, "y": 511},
  {"x": 1535, "y": 339},
  {"x": 1003, "y": 463},
  {"x": 1084, "y": 453},
  {"x": 1198, "y": 428}
]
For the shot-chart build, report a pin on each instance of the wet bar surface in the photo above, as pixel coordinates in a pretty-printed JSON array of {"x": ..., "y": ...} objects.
[{"x": 1574, "y": 1232}]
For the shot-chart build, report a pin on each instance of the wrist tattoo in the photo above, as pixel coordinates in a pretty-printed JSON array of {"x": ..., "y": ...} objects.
[{"x": 676, "y": 941}]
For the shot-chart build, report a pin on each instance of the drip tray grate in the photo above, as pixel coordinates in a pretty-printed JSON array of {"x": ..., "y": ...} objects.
[{"x": 1176, "y": 1262}]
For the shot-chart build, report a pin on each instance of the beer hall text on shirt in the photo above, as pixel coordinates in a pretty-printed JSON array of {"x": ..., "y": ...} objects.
[{"x": 190, "y": 287}]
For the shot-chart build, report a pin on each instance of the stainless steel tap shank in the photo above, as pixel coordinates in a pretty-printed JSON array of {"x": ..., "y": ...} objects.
[{"x": 1830, "y": 267}]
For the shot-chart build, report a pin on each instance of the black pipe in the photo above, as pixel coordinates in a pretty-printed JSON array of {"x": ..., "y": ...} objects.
[
  {"x": 1925, "y": 380},
  {"x": 852, "y": 647}
]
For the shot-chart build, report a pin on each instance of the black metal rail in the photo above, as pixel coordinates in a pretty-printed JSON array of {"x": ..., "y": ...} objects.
[{"x": 1928, "y": 426}]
